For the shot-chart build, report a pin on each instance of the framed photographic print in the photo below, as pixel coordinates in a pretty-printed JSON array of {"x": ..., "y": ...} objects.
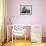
[{"x": 25, "y": 9}]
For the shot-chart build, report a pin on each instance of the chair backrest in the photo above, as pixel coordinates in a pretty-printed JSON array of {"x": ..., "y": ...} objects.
[{"x": 18, "y": 30}]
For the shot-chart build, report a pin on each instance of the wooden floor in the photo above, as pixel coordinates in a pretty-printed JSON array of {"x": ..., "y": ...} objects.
[
  {"x": 23, "y": 43},
  {"x": 18, "y": 43}
]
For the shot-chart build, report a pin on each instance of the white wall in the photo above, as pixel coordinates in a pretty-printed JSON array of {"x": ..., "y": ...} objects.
[{"x": 38, "y": 12}]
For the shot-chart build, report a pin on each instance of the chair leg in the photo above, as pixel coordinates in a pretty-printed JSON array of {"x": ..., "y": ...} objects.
[
  {"x": 25, "y": 36},
  {"x": 2, "y": 44},
  {"x": 15, "y": 38}
]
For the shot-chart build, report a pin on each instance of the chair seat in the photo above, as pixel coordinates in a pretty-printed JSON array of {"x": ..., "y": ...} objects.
[{"x": 18, "y": 33}]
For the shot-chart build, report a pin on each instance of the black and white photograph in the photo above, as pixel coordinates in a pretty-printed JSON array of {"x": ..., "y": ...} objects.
[{"x": 26, "y": 9}]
